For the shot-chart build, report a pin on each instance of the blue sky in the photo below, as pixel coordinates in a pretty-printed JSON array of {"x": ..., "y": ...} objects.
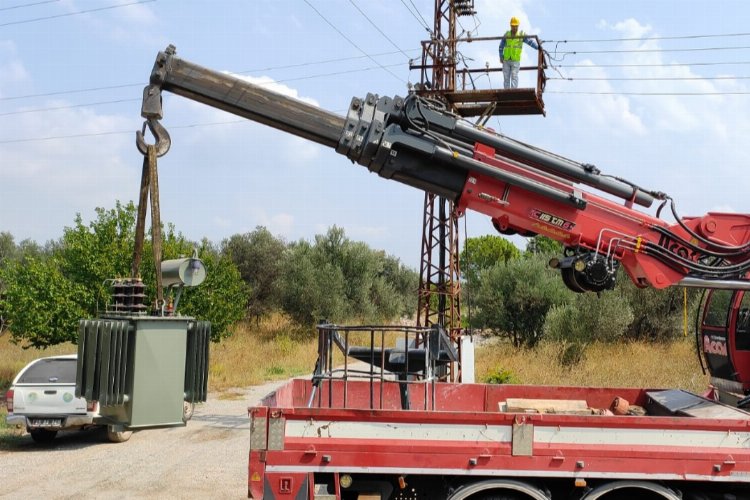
[{"x": 225, "y": 175}]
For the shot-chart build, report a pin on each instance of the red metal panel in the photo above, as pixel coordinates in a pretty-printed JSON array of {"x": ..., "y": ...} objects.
[
  {"x": 287, "y": 486},
  {"x": 609, "y": 446},
  {"x": 256, "y": 474},
  {"x": 586, "y": 461},
  {"x": 514, "y": 208}
]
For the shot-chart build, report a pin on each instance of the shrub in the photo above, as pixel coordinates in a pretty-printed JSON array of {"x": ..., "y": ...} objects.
[
  {"x": 589, "y": 318},
  {"x": 513, "y": 299},
  {"x": 658, "y": 314},
  {"x": 501, "y": 376},
  {"x": 571, "y": 353}
]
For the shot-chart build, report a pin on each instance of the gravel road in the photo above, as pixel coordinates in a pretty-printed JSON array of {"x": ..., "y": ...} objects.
[{"x": 205, "y": 459}]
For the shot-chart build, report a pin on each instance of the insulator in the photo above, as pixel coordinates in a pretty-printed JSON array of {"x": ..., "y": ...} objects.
[{"x": 464, "y": 7}]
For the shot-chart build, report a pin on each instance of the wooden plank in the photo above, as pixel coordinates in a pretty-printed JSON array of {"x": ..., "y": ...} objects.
[{"x": 559, "y": 406}]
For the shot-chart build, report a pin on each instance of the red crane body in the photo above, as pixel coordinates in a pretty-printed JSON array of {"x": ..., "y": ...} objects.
[{"x": 616, "y": 231}]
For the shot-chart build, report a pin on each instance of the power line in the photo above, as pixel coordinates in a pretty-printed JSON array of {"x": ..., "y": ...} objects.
[
  {"x": 27, "y": 5},
  {"x": 376, "y": 27},
  {"x": 70, "y": 106},
  {"x": 643, "y": 39},
  {"x": 67, "y": 14},
  {"x": 260, "y": 84},
  {"x": 646, "y": 93},
  {"x": 75, "y": 91},
  {"x": 326, "y": 61},
  {"x": 421, "y": 21},
  {"x": 270, "y": 68},
  {"x": 416, "y": 9},
  {"x": 649, "y": 78},
  {"x": 632, "y": 51},
  {"x": 350, "y": 41},
  {"x": 114, "y": 132},
  {"x": 321, "y": 75},
  {"x": 654, "y": 65}
]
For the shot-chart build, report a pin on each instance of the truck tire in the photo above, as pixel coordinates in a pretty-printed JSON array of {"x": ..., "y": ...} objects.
[
  {"x": 115, "y": 436},
  {"x": 42, "y": 435}
]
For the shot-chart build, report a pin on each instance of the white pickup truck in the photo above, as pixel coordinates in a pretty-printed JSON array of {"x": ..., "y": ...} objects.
[{"x": 42, "y": 399}]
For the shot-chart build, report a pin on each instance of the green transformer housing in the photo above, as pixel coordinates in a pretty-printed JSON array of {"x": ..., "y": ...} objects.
[{"x": 143, "y": 369}]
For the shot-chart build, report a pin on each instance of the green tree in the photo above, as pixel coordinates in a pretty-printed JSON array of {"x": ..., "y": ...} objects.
[
  {"x": 41, "y": 304},
  {"x": 658, "y": 314},
  {"x": 221, "y": 299},
  {"x": 89, "y": 254},
  {"x": 513, "y": 298},
  {"x": 588, "y": 318},
  {"x": 483, "y": 253},
  {"x": 257, "y": 256},
  {"x": 402, "y": 284},
  {"x": 342, "y": 280},
  {"x": 7, "y": 247},
  {"x": 312, "y": 290},
  {"x": 543, "y": 245}
]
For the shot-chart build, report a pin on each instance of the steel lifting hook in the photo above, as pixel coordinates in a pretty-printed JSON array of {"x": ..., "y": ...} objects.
[{"x": 161, "y": 136}]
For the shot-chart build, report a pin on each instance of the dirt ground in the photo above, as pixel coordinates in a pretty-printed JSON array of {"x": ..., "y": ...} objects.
[{"x": 205, "y": 459}]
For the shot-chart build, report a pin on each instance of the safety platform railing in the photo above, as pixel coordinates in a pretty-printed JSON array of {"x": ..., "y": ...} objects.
[
  {"x": 442, "y": 78},
  {"x": 385, "y": 357}
]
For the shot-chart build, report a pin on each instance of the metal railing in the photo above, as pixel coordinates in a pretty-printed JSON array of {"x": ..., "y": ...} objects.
[
  {"x": 441, "y": 77},
  {"x": 403, "y": 355}
]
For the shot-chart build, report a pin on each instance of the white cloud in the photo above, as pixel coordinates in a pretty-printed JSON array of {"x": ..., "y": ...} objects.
[
  {"x": 12, "y": 70},
  {"x": 222, "y": 222},
  {"x": 132, "y": 24},
  {"x": 496, "y": 15},
  {"x": 630, "y": 28},
  {"x": 269, "y": 83},
  {"x": 361, "y": 232},
  {"x": 610, "y": 112},
  {"x": 43, "y": 184},
  {"x": 280, "y": 224},
  {"x": 138, "y": 14},
  {"x": 723, "y": 209}
]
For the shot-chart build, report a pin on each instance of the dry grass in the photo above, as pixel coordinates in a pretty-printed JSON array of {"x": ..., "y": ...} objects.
[
  {"x": 671, "y": 365},
  {"x": 275, "y": 349},
  {"x": 14, "y": 357},
  {"x": 255, "y": 353}
]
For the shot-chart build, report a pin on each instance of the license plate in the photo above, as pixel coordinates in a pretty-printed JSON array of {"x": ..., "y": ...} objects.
[{"x": 45, "y": 422}]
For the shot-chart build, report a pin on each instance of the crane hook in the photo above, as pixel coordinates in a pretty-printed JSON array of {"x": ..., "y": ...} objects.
[{"x": 161, "y": 136}]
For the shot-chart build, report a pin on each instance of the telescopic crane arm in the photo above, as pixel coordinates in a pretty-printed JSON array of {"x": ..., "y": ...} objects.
[{"x": 522, "y": 189}]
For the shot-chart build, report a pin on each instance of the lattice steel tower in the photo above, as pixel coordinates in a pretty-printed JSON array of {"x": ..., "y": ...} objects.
[{"x": 439, "y": 297}]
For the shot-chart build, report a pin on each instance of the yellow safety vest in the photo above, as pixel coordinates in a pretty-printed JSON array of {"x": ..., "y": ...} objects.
[{"x": 513, "y": 46}]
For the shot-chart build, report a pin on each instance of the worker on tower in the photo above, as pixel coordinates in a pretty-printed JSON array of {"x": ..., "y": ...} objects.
[{"x": 510, "y": 53}]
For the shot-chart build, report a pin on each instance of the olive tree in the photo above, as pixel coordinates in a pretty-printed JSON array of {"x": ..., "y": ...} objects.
[{"x": 512, "y": 299}]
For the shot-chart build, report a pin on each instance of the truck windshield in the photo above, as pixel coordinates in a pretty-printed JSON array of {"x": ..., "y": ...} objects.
[{"x": 50, "y": 371}]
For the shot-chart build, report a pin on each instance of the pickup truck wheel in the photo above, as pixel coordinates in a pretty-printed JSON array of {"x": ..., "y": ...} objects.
[
  {"x": 117, "y": 436},
  {"x": 42, "y": 435}
]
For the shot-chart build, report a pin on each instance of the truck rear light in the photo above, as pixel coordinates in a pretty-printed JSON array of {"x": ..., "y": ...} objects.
[
  {"x": 9, "y": 401},
  {"x": 91, "y": 405}
]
